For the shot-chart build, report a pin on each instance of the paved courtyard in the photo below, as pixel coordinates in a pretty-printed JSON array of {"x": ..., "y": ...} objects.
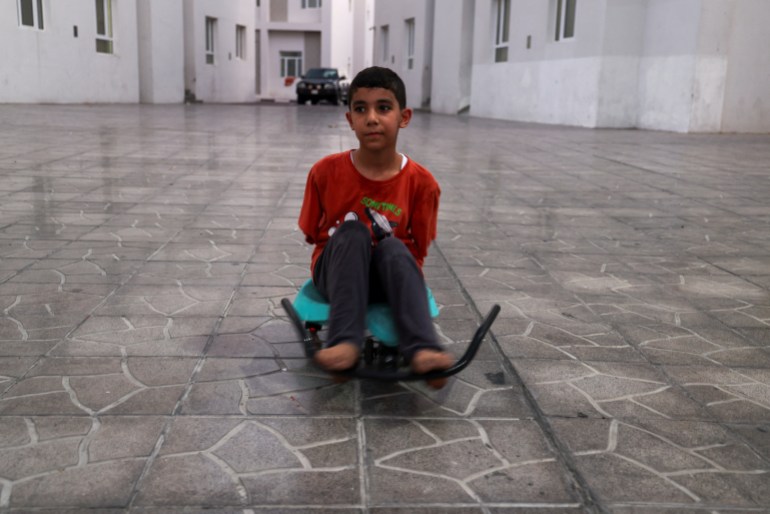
[{"x": 147, "y": 366}]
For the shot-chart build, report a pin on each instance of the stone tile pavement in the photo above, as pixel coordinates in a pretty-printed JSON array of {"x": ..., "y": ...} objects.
[{"x": 146, "y": 365}]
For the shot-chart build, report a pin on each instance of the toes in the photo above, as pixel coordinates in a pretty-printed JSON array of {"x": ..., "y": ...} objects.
[{"x": 431, "y": 360}]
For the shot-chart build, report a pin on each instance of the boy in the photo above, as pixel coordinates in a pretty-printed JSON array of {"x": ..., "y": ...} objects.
[{"x": 371, "y": 214}]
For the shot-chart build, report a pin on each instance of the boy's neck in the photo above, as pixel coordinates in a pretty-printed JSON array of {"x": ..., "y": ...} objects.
[{"x": 377, "y": 165}]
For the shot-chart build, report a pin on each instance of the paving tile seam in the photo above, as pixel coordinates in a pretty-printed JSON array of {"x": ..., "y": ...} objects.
[
  {"x": 685, "y": 507},
  {"x": 364, "y": 417},
  {"x": 654, "y": 172},
  {"x": 680, "y": 387},
  {"x": 688, "y": 430},
  {"x": 41, "y": 358},
  {"x": 363, "y": 459},
  {"x": 574, "y": 477},
  {"x": 747, "y": 278},
  {"x": 331, "y": 507},
  {"x": 199, "y": 365},
  {"x": 101, "y": 303}
]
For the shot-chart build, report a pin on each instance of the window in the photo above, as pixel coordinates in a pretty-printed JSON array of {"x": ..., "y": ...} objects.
[
  {"x": 385, "y": 43},
  {"x": 410, "y": 44},
  {"x": 291, "y": 64},
  {"x": 311, "y": 4},
  {"x": 211, "y": 27},
  {"x": 31, "y": 13},
  {"x": 565, "y": 19},
  {"x": 240, "y": 42},
  {"x": 502, "y": 28},
  {"x": 104, "y": 26}
]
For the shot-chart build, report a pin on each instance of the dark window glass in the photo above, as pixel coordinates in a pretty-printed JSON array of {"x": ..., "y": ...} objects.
[
  {"x": 27, "y": 15},
  {"x": 104, "y": 46},
  {"x": 100, "y": 18},
  {"x": 569, "y": 18}
]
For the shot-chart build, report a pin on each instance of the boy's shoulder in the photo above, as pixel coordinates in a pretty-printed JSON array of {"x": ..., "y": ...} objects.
[
  {"x": 422, "y": 173},
  {"x": 332, "y": 160}
]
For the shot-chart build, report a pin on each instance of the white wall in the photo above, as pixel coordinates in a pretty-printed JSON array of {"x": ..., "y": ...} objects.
[
  {"x": 299, "y": 15},
  {"x": 54, "y": 66},
  {"x": 341, "y": 36},
  {"x": 667, "y": 67},
  {"x": 746, "y": 106},
  {"x": 394, "y": 13},
  {"x": 679, "y": 65},
  {"x": 549, "y": 82},
  {"x": 363, "y": 35},
  {"x": 621, "y": 48},
  {"x": 452, "y": 54},
  {"x": 229, "y": 79},
  {"x": 705, "y": 66},
  {"x": 279, "y": 41},
  {"x": 161, "y": 51}
]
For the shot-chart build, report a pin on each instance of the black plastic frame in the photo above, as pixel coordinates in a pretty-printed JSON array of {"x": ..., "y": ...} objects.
[{"x": 394, "y": 375}]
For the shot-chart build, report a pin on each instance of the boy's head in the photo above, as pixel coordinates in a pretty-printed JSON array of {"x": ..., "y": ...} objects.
[{"x": 377, "y": 77}]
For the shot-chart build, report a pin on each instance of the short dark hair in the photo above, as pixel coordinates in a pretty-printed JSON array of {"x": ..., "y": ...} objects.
[{"x": 377, "y": 76}]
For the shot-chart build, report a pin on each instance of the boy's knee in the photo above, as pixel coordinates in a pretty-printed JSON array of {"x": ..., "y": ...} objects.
[
  {"x": 392, "y": 248},
  {"x": 353, "y": 230},
  {"x": 392, "y": 245}
]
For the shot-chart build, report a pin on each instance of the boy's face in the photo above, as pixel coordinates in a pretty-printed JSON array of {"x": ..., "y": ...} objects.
[{"x": 376, "y": 118}]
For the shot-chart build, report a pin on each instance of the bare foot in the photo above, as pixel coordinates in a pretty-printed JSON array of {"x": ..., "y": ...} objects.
[
  {"x": 339, "y": 357},
  {"x": 425, "y": 361}
]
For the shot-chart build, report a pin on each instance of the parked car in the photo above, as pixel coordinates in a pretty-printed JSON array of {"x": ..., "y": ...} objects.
[{"x": 322, "y": 84}]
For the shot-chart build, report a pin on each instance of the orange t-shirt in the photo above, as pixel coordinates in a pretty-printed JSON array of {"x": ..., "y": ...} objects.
[{"x": 336, "y": 191}]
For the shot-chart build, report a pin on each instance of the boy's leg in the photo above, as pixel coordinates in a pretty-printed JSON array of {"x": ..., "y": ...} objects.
[
  {"x": 404, "y": 286},
  {"x": 342, "y": 276}
]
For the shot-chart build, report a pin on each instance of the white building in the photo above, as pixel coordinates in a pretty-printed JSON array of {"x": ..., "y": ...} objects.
[
  {"x": 403, "y": 41},
  {"x": 75, "y": 51},
  {"x": 296, "y": 35},
  {"x": 162, "y": 51},
  {"x": 219, "y": 57},
  {"x": 679, "y": 65}
]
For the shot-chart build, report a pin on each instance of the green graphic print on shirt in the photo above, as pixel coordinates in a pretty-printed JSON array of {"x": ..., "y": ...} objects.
[{"x": 381, "y": 206}]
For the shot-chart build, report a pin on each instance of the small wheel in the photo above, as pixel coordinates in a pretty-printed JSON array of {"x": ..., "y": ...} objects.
[{"x": 369, "y": 351}]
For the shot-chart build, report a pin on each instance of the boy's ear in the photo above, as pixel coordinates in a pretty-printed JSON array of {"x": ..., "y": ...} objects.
[
  {"x": 350, "y": 119},
  {"x": 406, "y": 116}
]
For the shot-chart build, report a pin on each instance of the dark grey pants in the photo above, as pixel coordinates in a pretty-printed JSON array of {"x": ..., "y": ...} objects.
[{"x": 351, "y": 273}]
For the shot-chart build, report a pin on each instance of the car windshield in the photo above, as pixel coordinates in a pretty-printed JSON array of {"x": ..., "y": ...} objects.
[{"x": 321, "y": 73}]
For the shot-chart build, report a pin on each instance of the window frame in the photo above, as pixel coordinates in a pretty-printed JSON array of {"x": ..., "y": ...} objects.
[
  {"x": 295, "y": 58},
  {"x": 105, "y": 35},
  {"x": 411, "y": 30},
  {"x": 566, "y": 12},
  {"x": 385, "y": 42},
  {"x": 211, "y": 31},
  {"x": 502, "y": 30},
  {"x": 240, "y": 42},
  {"x": 36, "y": 10}
]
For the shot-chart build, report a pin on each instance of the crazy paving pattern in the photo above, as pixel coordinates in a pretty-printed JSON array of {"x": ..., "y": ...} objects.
[{"x": 146, "y": 364}]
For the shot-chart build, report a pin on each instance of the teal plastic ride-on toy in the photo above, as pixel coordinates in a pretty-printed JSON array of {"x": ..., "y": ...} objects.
[{"x": 380, "y": 358}]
